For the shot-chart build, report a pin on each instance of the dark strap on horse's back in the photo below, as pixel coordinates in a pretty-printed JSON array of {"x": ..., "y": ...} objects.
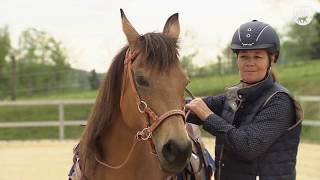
[
  {"x": 75, "y": 171},
  {"x": 202, "y": 159},
  {"x": 203, "y": 163}
]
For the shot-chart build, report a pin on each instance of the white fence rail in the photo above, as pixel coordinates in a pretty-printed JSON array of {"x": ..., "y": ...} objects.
[{"x": 61, "y": 122}]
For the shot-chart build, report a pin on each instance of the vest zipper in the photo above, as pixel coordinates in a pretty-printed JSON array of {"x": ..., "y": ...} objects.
[{"x": 222, "y": 146}]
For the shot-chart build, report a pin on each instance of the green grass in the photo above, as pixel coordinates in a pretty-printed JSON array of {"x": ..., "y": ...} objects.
[
  {"x": 310, "y": 134},
  {"x": 311, "y": 110},
  {"x": 212, "y": 85},
  {"x": 87, "y": 94},
  {"x": 40, "y": 113},
  {"x": 300, "y": 79},
  {"x": 29, "y": 133}
]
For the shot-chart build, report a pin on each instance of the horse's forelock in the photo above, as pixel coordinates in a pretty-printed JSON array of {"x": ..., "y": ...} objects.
[{"x": 159, "y": 50}]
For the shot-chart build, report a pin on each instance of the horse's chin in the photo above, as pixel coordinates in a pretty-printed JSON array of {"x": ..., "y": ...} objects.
[
  {"x": 173, "y": 156},
  {"x": 172, "y": 168}
]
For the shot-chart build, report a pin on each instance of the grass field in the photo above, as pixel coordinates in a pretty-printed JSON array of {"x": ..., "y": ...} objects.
[
  {"x": 301, "y": 79},
  {"x": 51, "y": 160}
]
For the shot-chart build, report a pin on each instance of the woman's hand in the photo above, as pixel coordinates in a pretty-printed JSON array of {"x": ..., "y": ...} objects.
[{"x": 199, "y": 107}]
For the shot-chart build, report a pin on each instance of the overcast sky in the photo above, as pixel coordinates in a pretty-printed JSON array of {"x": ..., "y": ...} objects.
[{"x": 91, "y": 29}]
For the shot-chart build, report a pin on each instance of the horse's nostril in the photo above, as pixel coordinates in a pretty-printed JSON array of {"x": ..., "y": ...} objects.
[
  {"x": 176, "y": 153},
  {"x": 168, "y": 151}
]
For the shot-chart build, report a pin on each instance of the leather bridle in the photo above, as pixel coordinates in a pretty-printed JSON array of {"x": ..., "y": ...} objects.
[{"x": 152, "y": 121}]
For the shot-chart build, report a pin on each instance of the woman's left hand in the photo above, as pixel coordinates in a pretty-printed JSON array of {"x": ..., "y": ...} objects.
[{"x": 199, "y": 107}]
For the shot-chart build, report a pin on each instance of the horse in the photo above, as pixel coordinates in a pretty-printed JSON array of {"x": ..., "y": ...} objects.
[
  {"x": 125, "y": 138},
  {"x": 136, "y": 128}
]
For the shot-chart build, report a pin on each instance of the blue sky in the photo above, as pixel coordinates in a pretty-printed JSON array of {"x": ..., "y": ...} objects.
[{"x": 91, "y": 29}]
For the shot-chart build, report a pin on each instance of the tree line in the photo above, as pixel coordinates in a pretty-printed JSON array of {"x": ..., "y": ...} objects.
[{"x": 39, "y": 64}]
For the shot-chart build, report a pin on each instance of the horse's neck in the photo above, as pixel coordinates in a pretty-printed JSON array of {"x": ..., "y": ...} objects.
[
  {"x": 117, "y": 144},
  {"x": 118, "y": 141}
]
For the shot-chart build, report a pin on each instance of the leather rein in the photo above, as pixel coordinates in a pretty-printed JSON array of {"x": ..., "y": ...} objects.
[{"x": 152, "y": 121}]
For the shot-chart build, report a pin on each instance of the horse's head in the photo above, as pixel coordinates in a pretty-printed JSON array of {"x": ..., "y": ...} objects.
[{"x": 159, "y": 81}]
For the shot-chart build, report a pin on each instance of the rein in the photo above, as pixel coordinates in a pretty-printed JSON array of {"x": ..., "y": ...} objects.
[{"x": 150, "y": 126}]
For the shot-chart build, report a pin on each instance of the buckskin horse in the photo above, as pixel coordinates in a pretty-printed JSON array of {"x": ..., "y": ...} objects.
[{"x": 137, "y": 129}]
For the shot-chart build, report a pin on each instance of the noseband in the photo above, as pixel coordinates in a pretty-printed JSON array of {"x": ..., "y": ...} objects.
[{"x": 152, "y": 121}]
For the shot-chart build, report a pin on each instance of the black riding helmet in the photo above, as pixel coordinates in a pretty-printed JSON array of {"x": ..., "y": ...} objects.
[{"x": 256, "y": 35}]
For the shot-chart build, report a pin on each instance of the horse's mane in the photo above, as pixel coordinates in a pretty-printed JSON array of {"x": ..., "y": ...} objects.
[{"x": 160, "y": 52}]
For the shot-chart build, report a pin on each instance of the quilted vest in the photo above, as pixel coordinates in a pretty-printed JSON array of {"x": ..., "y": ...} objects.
[{"x": 278, "y": 162}]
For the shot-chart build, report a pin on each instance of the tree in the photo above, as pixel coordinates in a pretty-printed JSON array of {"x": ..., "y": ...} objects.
[
  {"x": 187, "y": 64},
  {"x": 94, "y": 80},
  {"x": 316, "y": 51},
  {"x": 301, "y": 41},
  {"x": 42, "y": 65},
  {"x": 230, "y": 58},
  {"x": 5, "y": 46}
]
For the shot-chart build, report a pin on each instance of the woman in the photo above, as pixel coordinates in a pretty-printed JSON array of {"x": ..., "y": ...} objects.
[{"x": 257, "y": 123}]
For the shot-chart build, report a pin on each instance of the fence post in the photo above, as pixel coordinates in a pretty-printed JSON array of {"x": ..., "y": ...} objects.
[{"x": 61, "y": 121}]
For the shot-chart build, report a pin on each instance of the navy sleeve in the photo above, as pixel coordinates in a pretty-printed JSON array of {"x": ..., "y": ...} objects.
[
  {"x": 270, "y": 123},
  {"x": 215, "y": 104}
]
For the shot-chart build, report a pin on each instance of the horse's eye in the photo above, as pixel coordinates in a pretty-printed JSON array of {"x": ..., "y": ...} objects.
[{"x": 141, "y": 81}]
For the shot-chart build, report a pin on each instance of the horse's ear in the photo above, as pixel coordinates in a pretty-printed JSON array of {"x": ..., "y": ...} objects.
[
  {"x": 131, "y": 34},
  {"x": 172, "y": 26}
]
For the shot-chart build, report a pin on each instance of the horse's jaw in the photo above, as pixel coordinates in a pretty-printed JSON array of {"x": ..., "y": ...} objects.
[{"x": 142, "y": 164}]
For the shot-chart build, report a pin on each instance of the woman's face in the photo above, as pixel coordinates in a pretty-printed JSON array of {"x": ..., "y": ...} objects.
[{"x": 253, "y": 65}]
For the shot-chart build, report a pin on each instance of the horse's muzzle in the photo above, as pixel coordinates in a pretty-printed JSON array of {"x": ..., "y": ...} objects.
[{"x": 176, "y": 154}]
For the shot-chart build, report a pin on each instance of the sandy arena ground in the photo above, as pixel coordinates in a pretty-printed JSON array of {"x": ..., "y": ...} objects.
[{"x": 51, "y": 160}]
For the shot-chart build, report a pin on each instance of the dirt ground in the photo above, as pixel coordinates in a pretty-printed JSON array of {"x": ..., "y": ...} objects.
[{"x": 51, "y": 160}]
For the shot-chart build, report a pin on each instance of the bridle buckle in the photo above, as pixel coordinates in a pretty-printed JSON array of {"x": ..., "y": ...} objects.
[
  {"x": 144, "y": 134},
  {"x": 142, "y": 105}
]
